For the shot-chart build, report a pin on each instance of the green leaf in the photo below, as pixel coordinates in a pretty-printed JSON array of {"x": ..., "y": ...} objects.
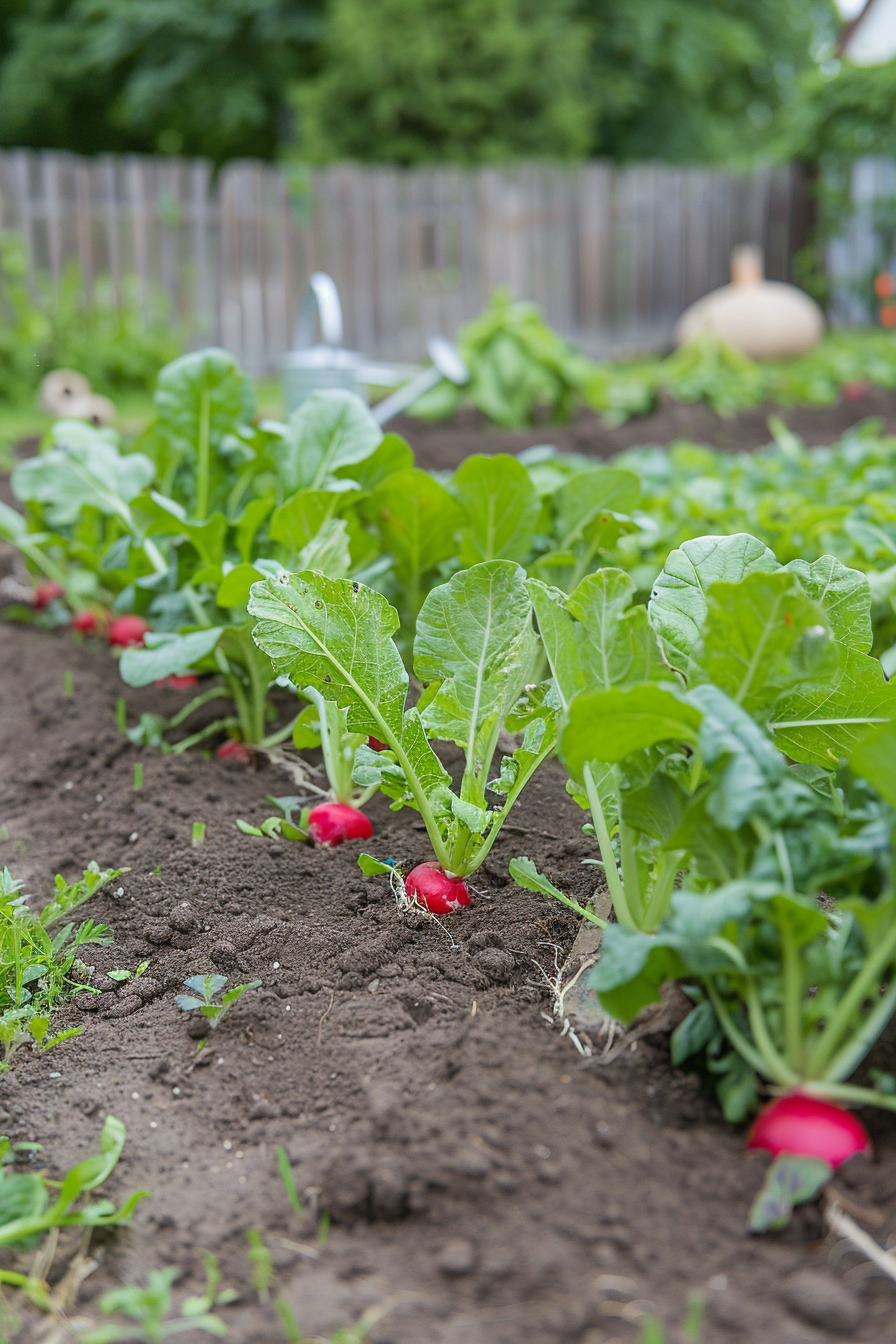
[
  {"x": 632, "y": 969},
  {"x": 90, "y": 474},
  {"x": 393, "y": 454},
  {"x": 751, "y": 634},
  {"x": 593, "y": 637},
  {"x": 329, "y": 551},
  {"x": 330, "y": 430},
  {"x": 167, "y": 655},
  {"x": 874, "y": 759},
  {"x": 475, "y": 637},
  {"x": 585, "y": 505},
  {"x": 502, "y": 508},
  {"x": 526, "y": 875},
  {"x": 844, "y": 596},
  {"x": 790, "y": 1180},
  {"x": 302, "y": 516},
  {"x": 677, "y": 606},
  {"x": 820, "y": 723},
  {"x": 610, "y": 725},
  {"x": 372, "y": 867},
  {"x": 204, "y": 382},
  {"x": 233, "y": 590},
  {"x": 417, "y": 520},
  {"x": 336, "y": 636},
  {"x": 693, "y": 1034},
  {"x": 13, "y": 526}
]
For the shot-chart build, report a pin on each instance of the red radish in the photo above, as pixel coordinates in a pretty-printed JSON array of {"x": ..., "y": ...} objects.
[
  {"x": 85, "y": 622},
  {"x": 333, "y": 823},
  {"x": 184, "y": 683},
  {"x": 805, "y": 1126},
  {"x": 430, "y": 886},
  {"x": 376, "y": 745},
  {"x": 127, "y": 630},
  {"x": 238, "y": 752},
  {"x": 45, "y": 593}
]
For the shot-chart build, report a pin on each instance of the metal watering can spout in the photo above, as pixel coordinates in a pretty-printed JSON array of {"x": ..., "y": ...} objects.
[
  {"x": 446, "y": 363},
  {"x": 319, "y": 366}
]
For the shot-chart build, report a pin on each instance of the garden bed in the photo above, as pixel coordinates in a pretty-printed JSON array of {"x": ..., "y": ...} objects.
[
  {"x": 441, "y": 447},
  {"x": 482, "y": 1178}
]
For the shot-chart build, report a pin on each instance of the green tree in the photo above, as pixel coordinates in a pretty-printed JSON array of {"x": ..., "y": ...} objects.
[
  {"x": 177, "y": 76},
  {"x": 697, "y": 80},
  {"x": 467, "y": 81}
]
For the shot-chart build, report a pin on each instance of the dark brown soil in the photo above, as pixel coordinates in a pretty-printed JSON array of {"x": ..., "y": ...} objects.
[
  {"x": 482, "y": 1178},
  {"x": 443, "y": 447}
]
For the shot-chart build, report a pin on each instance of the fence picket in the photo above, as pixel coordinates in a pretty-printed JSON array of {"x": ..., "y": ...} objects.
[{"x": 611, "y": 254}]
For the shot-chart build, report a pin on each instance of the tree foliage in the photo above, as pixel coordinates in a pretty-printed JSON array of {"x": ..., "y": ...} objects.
[
  {"x": 459, "y": 80},
  {"x": 177, "y": 76},
  {"x": 409, "y": 81}
]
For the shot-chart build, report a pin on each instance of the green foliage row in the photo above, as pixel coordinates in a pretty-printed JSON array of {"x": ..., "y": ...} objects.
[
  {"x": 696, "y": 634},
  {"x": 522, "y": 373}
]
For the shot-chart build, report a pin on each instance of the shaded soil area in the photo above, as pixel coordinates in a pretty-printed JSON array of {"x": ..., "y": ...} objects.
[
  {"x": 444, "y": 446},
  {"x": 484, "y": 1181}
]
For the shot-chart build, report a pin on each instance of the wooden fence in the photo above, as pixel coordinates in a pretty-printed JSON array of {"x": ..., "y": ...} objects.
[{"x": 612, "y": 255}]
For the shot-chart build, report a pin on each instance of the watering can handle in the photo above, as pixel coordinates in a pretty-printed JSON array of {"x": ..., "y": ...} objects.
[{"x": 320, "y": 300}]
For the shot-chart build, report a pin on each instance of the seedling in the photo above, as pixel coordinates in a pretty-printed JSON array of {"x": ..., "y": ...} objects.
[
  {"x": 198, "y": 833},
  {"x": 474, "y": 649},
  {"x": 68, "y": 684},
  {"x": 261, "y": 1264},
  {"x": 282, "y": 827},
  {"x": 122, "y": 975},
  {"x": 30, "y": 1206},
  {"x": 206, "y": 989},
  {"x": 288, "y": 1180},
  {"x": 151, "y": 1311},
  {"x": 138, "y": 775}
]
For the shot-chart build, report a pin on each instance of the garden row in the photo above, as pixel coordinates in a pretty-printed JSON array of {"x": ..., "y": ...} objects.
[{"x": 715, "y": 700}]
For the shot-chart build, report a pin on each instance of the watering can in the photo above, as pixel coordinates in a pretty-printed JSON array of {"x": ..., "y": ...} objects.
[{"x": 318, "y": 366}]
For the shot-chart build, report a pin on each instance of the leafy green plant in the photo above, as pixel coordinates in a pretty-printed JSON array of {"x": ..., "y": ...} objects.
[
  {"x": 205, "y": 991},
  {"x": 39, "y": 961},
  {"x": 151, "y": 1308},
  {"x": 31, "y": 1204},
  {"x": 474, "y": 650},
  {"x": 520, "y": 370},
  {"x": 664, "y": 704}
]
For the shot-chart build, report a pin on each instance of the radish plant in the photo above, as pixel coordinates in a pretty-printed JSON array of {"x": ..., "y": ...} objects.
[
  {"x": 474, "y": 650},
  {"x": 726, "y": 625}
]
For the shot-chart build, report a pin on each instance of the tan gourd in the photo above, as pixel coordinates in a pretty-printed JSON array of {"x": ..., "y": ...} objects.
[{"x": 765, "y": 319}]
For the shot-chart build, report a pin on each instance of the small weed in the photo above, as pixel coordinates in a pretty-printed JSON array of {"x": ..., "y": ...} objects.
[
  {"x": 121, "y": 975},
  {"x": 323, "y": 1229},
  {"x": 138, "y": 775},
  {"x": 121, "y": 714},
  {"x": 288, "y": 1180},
  {"x": 39, "y": 964},
  {"x": 260, "y": 1262},
  {"x": 205, "y": 989},
  {"x": 31, "y": 1204},
  {"x": 652, "y": 1331},
  {"x": 68, "y": 684},
  {"x": 150, "y": 1309},
  {"x": 198, "y": 833}
]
